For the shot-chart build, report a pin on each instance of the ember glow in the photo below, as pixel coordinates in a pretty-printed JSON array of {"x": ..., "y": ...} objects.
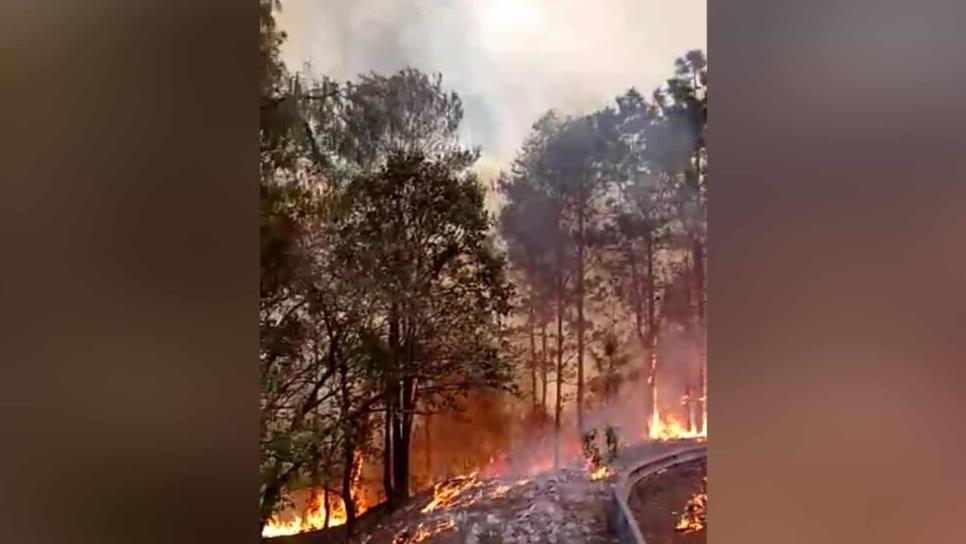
[
  {"x": 452, "y": 492},
  {"x": 695, "y": 516},
  {"x": 424, "y": 531},
  {"x": 601, "y": 473},
  {"x": 513, "y": 466},
  {"x": 311, "y": 519},
  {"x": 500, "y": 492},
  {"x": 667, "y": 427}
]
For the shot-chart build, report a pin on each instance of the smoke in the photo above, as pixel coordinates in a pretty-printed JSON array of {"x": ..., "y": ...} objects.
[{"x": 509, "y": 60}]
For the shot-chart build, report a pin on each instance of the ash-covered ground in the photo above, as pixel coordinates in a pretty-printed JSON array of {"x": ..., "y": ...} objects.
[
  {"x": 563, "y": 507},
  {"x": 554, "y": 507}
]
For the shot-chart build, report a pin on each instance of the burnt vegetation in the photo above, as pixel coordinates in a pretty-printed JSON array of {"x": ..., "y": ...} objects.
[{"x": 401, "y": 319}]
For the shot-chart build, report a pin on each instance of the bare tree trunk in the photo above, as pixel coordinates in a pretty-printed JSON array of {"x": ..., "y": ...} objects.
[
  {"x": 702, "y": 405},
  {"x": 580, "y": 311},
  {"x": 401, "y": 448},
  {"x": 641, "y": 323},
  {"x": 651, "y": 303},
  {"x": 392, "y": 402},
  {"x": 325, "y": 504},
  {"x": 545, "y": 364},
  {"x": 271, "y": 495},
  {"x": 387, "y": 457},
  {"x": 429, "y": 449},
  {"x": 559, "y": 401},
  {"x": 533, "y": 347},
  {"x": 347, "y": 499},
  {"x": 405, "y": 414},
  {"x": 637, "y": 299},
  {"x": 688, "y": 403},
  {"x": 698, "y": 255},
  {"x": 348, "y": 447},
  {"x": 651, "y": 327}
]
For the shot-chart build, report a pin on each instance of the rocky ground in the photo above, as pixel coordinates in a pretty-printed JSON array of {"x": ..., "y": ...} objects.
[
  {"x": 659, "y": 500},
  {"x": 563, "y": 507}
]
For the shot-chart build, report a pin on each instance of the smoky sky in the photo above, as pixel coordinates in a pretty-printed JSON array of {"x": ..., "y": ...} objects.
[{"x": 509, "y": 60}]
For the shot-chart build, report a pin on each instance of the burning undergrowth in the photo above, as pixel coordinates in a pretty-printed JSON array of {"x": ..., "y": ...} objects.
[
  {"x": 694, "y": 519},
  {"x": 558, "y": 506},
  {"x": 488, "y": 466},
  {"x": 671, "y": 504}
]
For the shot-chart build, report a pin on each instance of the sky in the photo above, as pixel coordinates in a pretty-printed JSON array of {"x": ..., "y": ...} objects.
[{"x": 509, "y": 60}]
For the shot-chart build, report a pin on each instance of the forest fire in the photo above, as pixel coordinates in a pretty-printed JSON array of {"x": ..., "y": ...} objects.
[
  {"x": 451, "y": 492},
  {"x": 312, "y": 518},
  {"x": 322, "y": 509},
  {"x": 695, "y": 516},
  {"x": 425, "y": 531},
  {"x": 663, "y": 427},
  {"x": 492, "y": 479},
  {"x": 601, "y": 473},
  {"x": 499, "y": 358}
]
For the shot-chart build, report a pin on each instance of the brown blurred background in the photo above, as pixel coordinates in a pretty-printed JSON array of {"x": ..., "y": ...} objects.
[{"x": 129, "y": 234}]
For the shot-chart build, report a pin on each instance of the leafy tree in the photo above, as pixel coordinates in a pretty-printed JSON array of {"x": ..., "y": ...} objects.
[
  {"x": 382, "y": 293},
  {"x": 684, "y": 157},
  {"x": 616, "y": 195},
  {"x": 574, "y": 168},
  {"x": 408, "y": 112},
  {"x": 414, "y": 235}
]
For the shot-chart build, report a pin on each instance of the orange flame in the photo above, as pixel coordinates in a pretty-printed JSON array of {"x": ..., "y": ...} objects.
[
  {"x": 695, "y": 516},
  {"x": 449, "y": 493},
  {"x": 601, "y": 473},
  {"x": 424, "y": 531},
  {"x": 667, "y": 427},
  {"x": 313, "y": 516}
]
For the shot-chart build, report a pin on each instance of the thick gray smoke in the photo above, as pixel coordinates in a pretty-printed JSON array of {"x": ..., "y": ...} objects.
[{"x": 510, "y": 60}]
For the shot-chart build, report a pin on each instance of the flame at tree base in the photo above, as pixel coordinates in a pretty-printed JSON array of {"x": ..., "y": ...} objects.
[
  {"x": 425, "y": 531},
  {"x": 601, "y": 473},
  {"x": 513, "y": 466},
  {"x": 312, "y": 518},
  {"x": 667, "y": 427},
  {"x": 446, "y": 494}
]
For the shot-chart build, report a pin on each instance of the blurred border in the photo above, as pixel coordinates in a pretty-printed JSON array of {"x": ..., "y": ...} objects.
[
  {"x": 836, "y": 335},
  {"x": 130, "y": 285},
  {"x": 130, "y": 383}
]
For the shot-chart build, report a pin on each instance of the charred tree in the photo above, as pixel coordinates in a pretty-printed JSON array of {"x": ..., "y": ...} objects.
[
  {"x": 429, "y": 447},
  {"x": 347, "y": 500},
  {"x": 581, "y": 242},
  {"x": 403, "y": 436},
  {"x": 558, "y": 409},
  {"x": 391, "y": 414},
  {"x": 533, "y": 342},
  {"x": 545, "y": 369},
  {"x": 652, "y": 326}
]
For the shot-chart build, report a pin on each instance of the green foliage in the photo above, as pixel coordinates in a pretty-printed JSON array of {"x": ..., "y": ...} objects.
[
  {"x": 413, "y": 234},
  {"x": 369, "y": 217},
  {"x": 408, "y": 112},
  {"x": 379, "y": 273}
]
